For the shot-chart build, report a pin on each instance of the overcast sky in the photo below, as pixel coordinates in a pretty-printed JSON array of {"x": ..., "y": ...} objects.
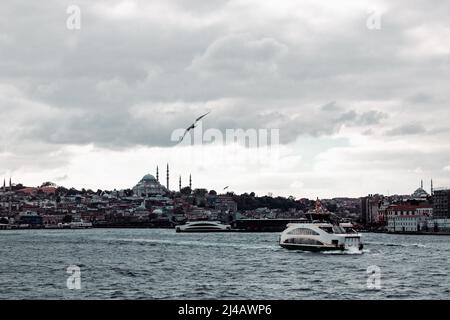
[{"x": 360, "y": 109}]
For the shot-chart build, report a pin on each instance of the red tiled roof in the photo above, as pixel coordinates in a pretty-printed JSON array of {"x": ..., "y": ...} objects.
[
  {"x": 31, "y": 190},
  {"x": 27, "y": 190},
  {"x": 48, "y": 189},
  {"x": 405, "y": 207}
]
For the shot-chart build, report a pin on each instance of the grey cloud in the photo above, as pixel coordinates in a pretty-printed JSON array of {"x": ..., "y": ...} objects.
[
  {"x": 347, "y": 116},
  {"x": 61, "y": 178},
  {"x": 32, "y": 156},
  {"x": 371, "y": 117},
  {"x": 114, "y": 130},
  {"x": 399, "y": 159},
  {"x": 96, "y": 76},
  {"x": 331, "y": 106},
  {"x": 421, "y": 98},
  {"x": 407, "y": 129},
  {"x": 240, "y": 55},
  {"x": 292, "y": 123}
]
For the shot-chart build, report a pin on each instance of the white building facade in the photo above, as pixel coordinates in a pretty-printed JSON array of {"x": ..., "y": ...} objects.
[{"x": 410, "y": 223}]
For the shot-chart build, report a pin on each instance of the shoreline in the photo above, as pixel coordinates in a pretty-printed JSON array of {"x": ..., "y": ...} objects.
[
  {"x": 417, "y": 233},
  {"x": 230, "y": 231}
]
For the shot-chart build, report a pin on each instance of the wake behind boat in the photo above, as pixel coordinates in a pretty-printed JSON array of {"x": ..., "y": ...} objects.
[{"x": 203, "y": 226}]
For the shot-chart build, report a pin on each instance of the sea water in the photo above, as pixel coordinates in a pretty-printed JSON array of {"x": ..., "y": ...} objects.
[{"x": 163, "y": 264}]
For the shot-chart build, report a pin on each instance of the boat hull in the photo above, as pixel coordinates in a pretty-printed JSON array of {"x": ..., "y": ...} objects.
[
  {"x": 312, "y": 248},
  {"x": 201, "y": 230},
  {"x": 203, "y": 226},
  {"x": 301, "y": 247}
]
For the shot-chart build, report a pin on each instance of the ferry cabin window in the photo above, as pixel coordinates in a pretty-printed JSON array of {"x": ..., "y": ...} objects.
[
  {"x": 338, "y": 229},
  {"x": 303, "y": 232},
  {"x": 304, "y": 241},
  {"x": 327, "y": 229}
]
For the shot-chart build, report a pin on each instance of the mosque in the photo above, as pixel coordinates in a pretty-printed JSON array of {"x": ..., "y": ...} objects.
[
  {"x": 150, "y": 186},
  {"x": 420, "y": 193}
]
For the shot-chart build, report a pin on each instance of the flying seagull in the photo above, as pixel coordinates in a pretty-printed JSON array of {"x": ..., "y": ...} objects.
[
  {"x": 226, "y": 188},
  {"x": 192, "y": 126},
  {"x": 202, "y": 116}
]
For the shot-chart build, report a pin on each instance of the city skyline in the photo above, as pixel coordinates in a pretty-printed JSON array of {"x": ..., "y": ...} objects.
[
  {"x": 349, "y": 86},
  {"x": 177, "y": 182}
]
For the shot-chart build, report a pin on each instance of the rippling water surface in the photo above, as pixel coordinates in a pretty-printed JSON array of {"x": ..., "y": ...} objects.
[{"x": 161, "y": 264}]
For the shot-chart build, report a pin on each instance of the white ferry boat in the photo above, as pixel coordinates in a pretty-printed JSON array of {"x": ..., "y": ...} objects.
[
  {"x": 79, "y": 225},
  {"x": 320, "y": 237},
  {"x": 4, "y": 226},
  {"x": 203, "y": 226}
]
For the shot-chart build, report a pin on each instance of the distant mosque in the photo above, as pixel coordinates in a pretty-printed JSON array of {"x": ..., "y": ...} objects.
[
  {"x": 420, "y": 193},
  {"x": 150, "y": 186}
]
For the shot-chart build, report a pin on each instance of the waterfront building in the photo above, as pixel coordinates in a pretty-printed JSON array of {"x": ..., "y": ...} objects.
[
  {"x": 408, "y": 209},
  {"x": 225, "y": 203},
  {"x": 438, "y": 224},
  {"x": 382, "y": 210},
  {"x": 407, "y": 223},
  {"x": 52, "y": 219},
  {"x": 162, "y": 217},
  {"x": 141, "y": 211},
  {"x": 198, "y": 214},
  {"x": 417, "y": 223},
  {"x": 441, "y": 203},
  {"x": 370, "y": 206},
  {"x": 31, "y": 219},
  {"x": 158, "y": 201}
]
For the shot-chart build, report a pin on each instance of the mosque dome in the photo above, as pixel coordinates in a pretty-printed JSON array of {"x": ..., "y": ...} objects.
[
  {"x": 148, "y": 185},
  {"x": 420, "y": 193},
  {"x": 148, "y": 178}
]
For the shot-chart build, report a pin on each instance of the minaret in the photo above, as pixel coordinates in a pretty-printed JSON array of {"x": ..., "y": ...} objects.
[
  {"x": 190, "y": 182},
  {"x": 179, "y": 183},
  {"x": 431, "y": 186},
  {"x": 157, "y": 173},
  {"x": 167, "y": 177},
  {"x": 421, "y": 184},
  {"x": 10, "y": 196}
]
